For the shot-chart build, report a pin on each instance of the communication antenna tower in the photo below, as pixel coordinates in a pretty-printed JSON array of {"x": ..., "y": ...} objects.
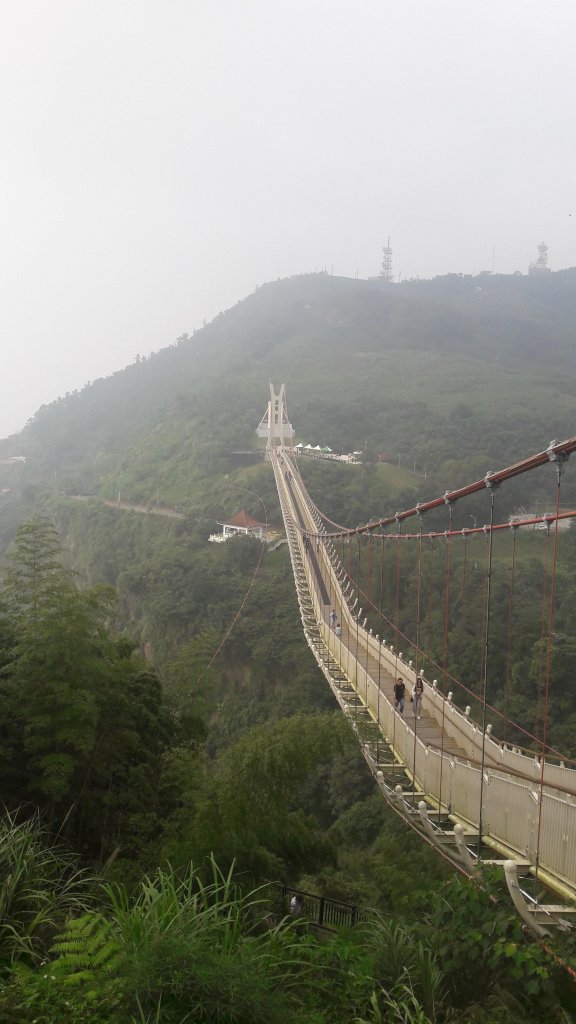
[
  {"x": 541, "y": 264},
  {"x": 386, "y": 273},
  {"x": 542, "y": 261}
]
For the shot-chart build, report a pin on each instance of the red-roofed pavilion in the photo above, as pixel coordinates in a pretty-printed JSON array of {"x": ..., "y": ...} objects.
[{"x": 244, "y": 523}]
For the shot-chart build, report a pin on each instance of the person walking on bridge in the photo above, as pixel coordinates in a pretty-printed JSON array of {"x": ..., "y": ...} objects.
[
  {"x": 333, "y": 618},
  {"x": 417, "y": 693},
  {"x": 399, "y": 694}
]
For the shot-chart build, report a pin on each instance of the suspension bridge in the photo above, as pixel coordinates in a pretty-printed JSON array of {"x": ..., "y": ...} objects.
[{"x": 480, "y": 796}]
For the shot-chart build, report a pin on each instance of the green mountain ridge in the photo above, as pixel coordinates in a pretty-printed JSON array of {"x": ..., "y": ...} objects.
[
  {"x": 430, "y": 373},
  {"x": 361, "y": 361}
]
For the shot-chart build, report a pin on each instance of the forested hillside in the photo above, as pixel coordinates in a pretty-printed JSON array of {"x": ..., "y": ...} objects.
[
  {"x": 146, "y": 742},
  {"x": 451, "y": 369}
]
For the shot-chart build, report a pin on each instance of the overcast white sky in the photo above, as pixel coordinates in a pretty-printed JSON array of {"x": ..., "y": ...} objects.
[{"x": 162, "y": 157}]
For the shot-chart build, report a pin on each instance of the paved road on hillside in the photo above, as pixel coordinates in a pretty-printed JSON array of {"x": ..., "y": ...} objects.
[{"x": 125, "y": 506}]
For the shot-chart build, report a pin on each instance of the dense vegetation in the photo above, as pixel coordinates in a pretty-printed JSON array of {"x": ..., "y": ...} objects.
[
  {"x": 188, "y": 948},
  {"x": 146, "y": 758},
  {"x": 124, "y": 772}
]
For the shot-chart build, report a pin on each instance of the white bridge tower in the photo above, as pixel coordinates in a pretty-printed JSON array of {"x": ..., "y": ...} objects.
[{"x": 275, "y": 425}]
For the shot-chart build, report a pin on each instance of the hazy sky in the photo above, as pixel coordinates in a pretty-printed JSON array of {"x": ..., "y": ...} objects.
[{"x": 162, "y": 157}]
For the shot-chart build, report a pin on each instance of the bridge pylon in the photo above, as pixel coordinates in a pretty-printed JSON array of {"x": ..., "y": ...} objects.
[{"x": 275, "y": 425}]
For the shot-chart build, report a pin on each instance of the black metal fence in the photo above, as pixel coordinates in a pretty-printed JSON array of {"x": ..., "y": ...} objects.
[{"x": 317, "y": 910}]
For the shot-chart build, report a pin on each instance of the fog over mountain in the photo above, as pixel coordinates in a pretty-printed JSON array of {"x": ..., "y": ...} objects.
[{"x": 163, "y": 160}]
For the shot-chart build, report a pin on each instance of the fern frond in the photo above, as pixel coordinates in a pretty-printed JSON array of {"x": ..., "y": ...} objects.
[{"x": 86, "y": 951}]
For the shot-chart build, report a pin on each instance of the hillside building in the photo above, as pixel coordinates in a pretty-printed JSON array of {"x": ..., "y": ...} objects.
[{"x": 518, "y": 518}]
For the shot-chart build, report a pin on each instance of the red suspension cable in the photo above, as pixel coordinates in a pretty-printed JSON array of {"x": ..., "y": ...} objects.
[
  {"x": 509, "y": 638},
  {"x": 559, "y": 467}
]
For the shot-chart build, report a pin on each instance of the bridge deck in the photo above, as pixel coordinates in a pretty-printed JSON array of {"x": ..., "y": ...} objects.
[{"x": 426, "y": 728}]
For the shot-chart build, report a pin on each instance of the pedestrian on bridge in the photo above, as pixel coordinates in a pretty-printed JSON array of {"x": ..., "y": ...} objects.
[
  {"x": 333, "y": 618},
  {"x": 338, "y": 629},
  {"x": 417, "y": 694},
  {"x": 399, "y": 694}
]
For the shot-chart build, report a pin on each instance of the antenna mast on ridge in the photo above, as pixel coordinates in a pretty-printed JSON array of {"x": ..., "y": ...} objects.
[
  {"x": 541, "y": 264},
  {"x": 386, "y": 273}
]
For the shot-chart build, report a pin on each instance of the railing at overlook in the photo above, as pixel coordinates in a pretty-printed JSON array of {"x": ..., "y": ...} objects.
[{"x": 319, "y": 911}]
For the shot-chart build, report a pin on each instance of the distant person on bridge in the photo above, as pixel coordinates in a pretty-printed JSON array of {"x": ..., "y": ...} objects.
[
  {"x": 333, "y": 618},
  {"x": 338, "y": 629},
  {"x": 417, "y": 693},
  {"x": 399, "y": 694}
]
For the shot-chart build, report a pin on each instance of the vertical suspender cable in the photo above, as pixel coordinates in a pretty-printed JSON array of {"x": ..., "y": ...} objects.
[
  {"x": 429, "y": 601},
  {"x": 370, "y": 559},
  {"x": 447, "y": 581},
  {"x": 381, "y": 630},
  {"x": 509, "y": 644},
  {"x": 394, "y": 718},
  {"x": 342, "y": 605},
  {"x": 463, "y": 588},
  {"x": 464, "y": 567},
  {"x": 347, "y": 559},
  {"x": 485, "y": 586},
  {"x": 418, "y": 592},
  {"x": 559, "y": 469},
  {"x": 418, "y": 595},
  {"x": 327, "y": 569},
  {"x": 397, "y": 610},
  {"x": 415, "y": 706},
  {"x": 396, "y": 619},
  {"x": 378, "y": 700},
  {"x": 414, "y": 719},
  {"x": 445, "y": 652},
  {"x": 357, "y": 610},
  {"x": 542, "y": 630},
  {"x": 485, "y": 659}
]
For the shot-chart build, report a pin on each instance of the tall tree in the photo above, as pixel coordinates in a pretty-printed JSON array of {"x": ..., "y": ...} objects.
[{"x": 87, "y": 727}]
